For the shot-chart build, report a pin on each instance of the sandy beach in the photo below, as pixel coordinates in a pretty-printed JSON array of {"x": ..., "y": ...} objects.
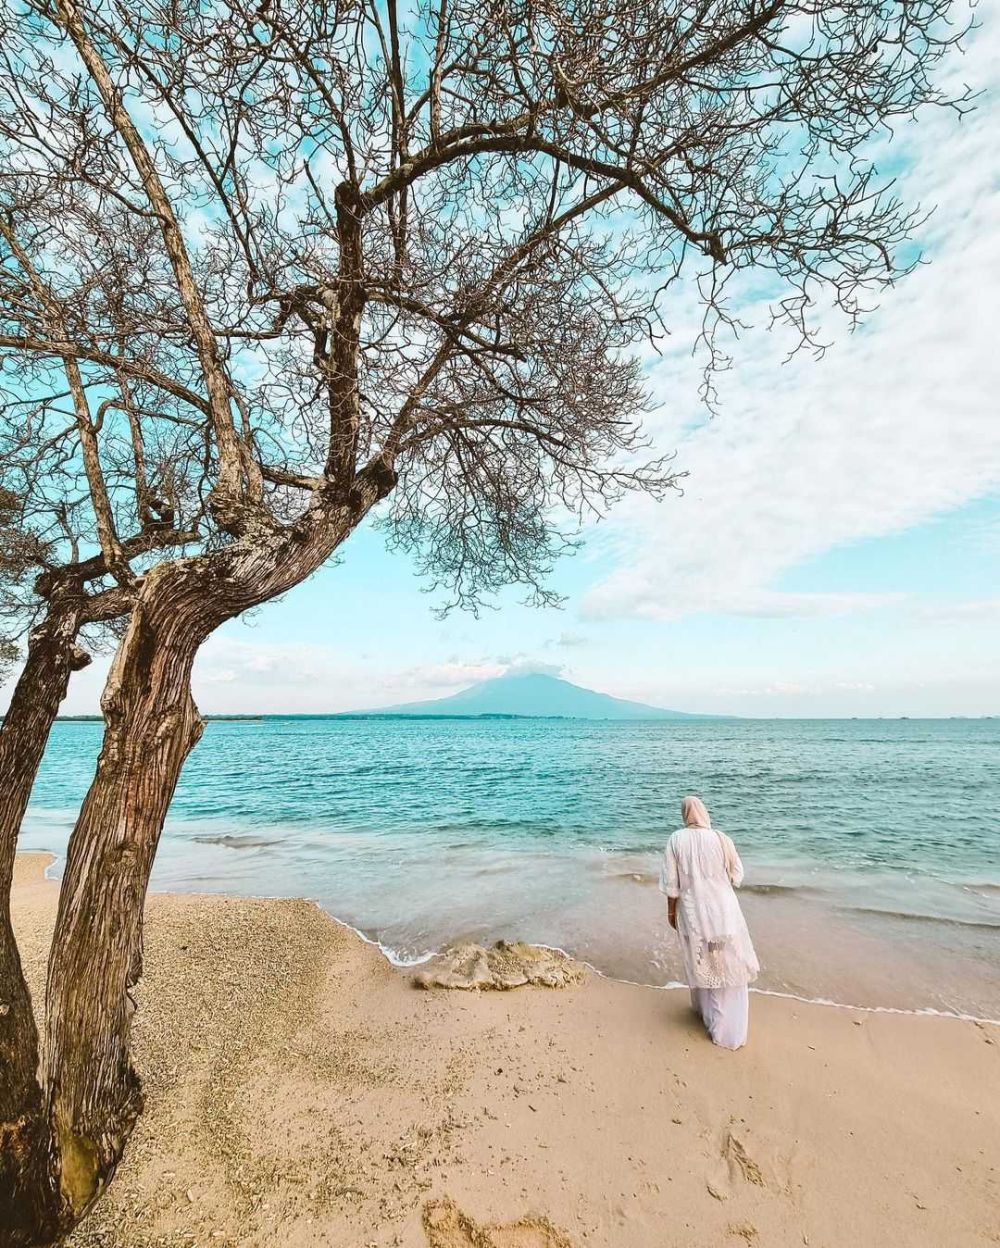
[{"x": 300, "y": 1091}]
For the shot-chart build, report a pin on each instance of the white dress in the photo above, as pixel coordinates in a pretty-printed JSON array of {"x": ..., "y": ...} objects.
[{"x": 700, "y": 868}]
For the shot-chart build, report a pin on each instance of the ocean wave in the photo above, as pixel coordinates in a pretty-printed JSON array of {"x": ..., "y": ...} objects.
[
  {"x": 637, "y": 877},
  {"x": 911, "y": 916},
  {"x": 649, "y": 878},
  {"x": 494, "y": 868},
  {"x": 617, "y": 851},
  {"x": 774, "y": 890},
  {"x": 243, "y": 841}
]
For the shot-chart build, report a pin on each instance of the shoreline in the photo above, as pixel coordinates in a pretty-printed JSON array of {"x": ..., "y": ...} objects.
[
  {"x": 404, "y": 965},
  {"x": 302, "y": 1093}
]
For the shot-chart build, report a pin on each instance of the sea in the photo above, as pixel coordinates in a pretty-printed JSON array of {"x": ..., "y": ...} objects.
[{"x": 871, "y": 847}]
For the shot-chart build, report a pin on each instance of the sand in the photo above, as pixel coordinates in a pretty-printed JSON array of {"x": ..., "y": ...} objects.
[{"x": 300, "y": 1091}]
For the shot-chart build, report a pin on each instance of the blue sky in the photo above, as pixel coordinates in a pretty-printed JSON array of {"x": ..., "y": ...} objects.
[{"x": 835, "y": 550}]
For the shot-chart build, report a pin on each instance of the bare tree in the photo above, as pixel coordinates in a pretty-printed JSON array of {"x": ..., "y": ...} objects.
[
  {"x": 394, "y": 260},
  {"x": 10, "y": 574},
  {"x": 75, "y": 474}
]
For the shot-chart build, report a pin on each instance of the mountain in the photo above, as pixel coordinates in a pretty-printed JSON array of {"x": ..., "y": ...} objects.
[{"x": 534, "y": 695}]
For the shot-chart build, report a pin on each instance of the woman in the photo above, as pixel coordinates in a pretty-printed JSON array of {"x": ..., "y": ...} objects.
[{"x": 700, "y": 868}]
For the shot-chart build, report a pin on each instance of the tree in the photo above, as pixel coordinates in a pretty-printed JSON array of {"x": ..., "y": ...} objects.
[
  {"x": 57, "y": 497},
  {"x": 10, "y": 541},
  {"x": 398, "y": 263}
]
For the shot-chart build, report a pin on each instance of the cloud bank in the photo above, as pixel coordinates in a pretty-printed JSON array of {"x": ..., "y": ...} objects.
[{"x": 896, "y": 424}]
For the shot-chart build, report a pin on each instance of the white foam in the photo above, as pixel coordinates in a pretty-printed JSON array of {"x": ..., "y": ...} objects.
[
  {"x": 392, "y": 956},
  {"x": 402, "y": 962},
  {"x": 925, "y": 1011}
]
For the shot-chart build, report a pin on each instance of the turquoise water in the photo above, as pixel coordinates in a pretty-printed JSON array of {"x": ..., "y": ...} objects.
[{"x": 872, "y": 847}]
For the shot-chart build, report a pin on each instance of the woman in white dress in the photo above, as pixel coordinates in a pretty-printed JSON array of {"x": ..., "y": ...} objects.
[{"x": 700, "y": 869}]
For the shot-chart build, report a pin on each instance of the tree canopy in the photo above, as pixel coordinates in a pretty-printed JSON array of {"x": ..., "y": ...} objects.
[{"x": 280, "y": 241}]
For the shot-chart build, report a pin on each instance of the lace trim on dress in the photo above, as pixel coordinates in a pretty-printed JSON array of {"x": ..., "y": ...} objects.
[{"x": 719, "y": 963}]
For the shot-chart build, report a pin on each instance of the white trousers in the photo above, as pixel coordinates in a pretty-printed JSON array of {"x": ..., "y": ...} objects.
[{"x": 725, "y": 1013}]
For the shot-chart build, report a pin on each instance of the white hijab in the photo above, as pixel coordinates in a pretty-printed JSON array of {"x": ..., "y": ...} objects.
[{"x": 695, "y": 815}]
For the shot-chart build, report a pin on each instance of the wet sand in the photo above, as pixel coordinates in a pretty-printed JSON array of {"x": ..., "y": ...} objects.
[{"x": 301, "y": 1092}]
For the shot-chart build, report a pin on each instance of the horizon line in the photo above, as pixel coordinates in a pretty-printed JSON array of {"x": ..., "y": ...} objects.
[{"x": 682, "y": 716}]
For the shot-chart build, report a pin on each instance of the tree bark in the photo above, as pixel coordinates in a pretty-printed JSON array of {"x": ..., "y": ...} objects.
[
  {"x": 151, "y": 725},
  {"x": 52, "y": 656},
  {"x": 91, "y": 1093}
]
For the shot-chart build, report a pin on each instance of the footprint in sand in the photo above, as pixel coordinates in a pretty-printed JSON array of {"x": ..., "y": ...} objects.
[
  {"x": 740, "y": 1160},
  {"x": 745, "y": 1231},
  {"x": 734, "y": 1164},
  {"x": 446, "y": 1226}
]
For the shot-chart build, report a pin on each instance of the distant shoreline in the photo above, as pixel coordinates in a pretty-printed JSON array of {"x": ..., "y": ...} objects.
[{"x": 566, "y": 719}]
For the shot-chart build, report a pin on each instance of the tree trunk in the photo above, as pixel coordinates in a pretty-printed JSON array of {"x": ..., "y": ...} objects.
[
  {"x": 151, "y": 725},
  {"x": 52, "y": 656},
  {"x": 91, "y": 1094}
]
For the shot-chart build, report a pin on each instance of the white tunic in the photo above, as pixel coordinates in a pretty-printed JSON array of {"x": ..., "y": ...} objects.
[{"x": 700, "y": 867}]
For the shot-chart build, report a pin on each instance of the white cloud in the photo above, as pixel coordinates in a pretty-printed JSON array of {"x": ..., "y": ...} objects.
[
  {"x": 896, "y": 424},
  {"x": 974, "y": 611},
  {"x": 241, "y": 675},
  {"x": 525, "y": 667},
  {"x": 795, "y": 689},
  {"x": 237, "y": 675},
  {"x": 632, "y": 595},
  {"x": 455, "y": 674},
  {"x": 568, "y": 641},
  {"x": 225, "y": 661},
  {"x": 458, "y": 673}
]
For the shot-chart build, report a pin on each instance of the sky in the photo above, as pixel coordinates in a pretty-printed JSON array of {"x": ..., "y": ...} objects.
[{"x": 834, "y": 551}]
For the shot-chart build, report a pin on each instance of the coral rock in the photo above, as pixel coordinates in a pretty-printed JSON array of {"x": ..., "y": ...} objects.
[{"x": 502, "y": 966}]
